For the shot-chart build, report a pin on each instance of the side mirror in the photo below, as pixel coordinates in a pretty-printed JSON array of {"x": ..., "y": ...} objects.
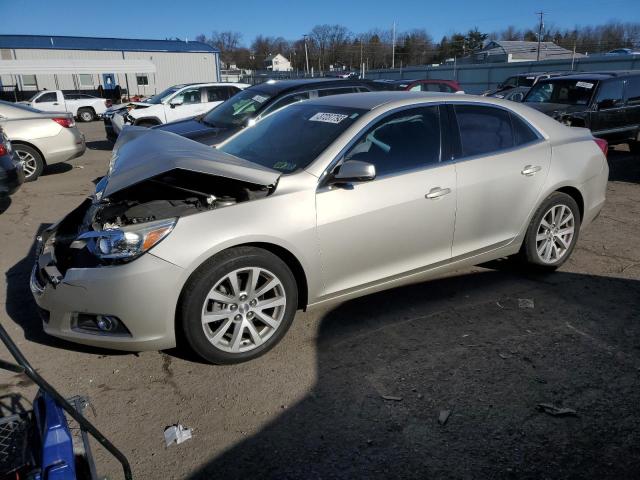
[
  {"x": 352, "y": 171},
  {"x": 175, "y": 102},
  {"x": 517, "y": 97}
]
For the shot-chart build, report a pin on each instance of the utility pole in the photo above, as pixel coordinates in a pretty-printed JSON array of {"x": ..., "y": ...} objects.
[
  {"x": 361, "y": 63},
  {"x": 393, "y": 47},
  {"x": 306, "y": 52},
  {"x": 540, "y": 27},
  {"x": 573, "y": 55}
]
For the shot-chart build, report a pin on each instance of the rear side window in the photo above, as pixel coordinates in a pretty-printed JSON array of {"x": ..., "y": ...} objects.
[
  {"x": 406, "y": 140},
  {"x": 336, "y": 91},
  {"x": 483, "y": 130},
  {"x": 289, "y": 99},
  {"x": 522, "y": 133},
  {"x": 633, "y": 91},
  {"x": 217, "y": 94}
]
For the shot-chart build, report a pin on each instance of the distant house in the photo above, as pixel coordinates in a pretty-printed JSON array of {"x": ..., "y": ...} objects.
[
  {"x": 277, "y": 63},
  {"x": 507, "y": 51}
]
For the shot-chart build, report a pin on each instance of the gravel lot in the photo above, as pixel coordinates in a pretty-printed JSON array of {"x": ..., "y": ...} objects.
[{"x": 314, "y": 407}]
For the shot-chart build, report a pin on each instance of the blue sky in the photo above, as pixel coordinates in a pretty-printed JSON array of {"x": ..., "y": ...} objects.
[{"x": 290, "y": 19}]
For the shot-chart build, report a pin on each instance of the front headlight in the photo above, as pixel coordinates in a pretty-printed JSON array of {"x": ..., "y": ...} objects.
[{"x": 128, "y": 242}]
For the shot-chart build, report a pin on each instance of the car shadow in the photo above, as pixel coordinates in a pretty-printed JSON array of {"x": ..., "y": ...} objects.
[
  {"x": 100, "y": 145},
  {"x": 442, "y": 380},
  {"x": 23, "y": 310},
  {"x": 623, "y": 166},
  {"x": 57, "y": 168}
]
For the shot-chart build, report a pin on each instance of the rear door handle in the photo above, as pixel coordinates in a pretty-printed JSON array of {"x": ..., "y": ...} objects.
[
  {"x": 530, "y": 170},
  {"x": 437, "y": 192}
]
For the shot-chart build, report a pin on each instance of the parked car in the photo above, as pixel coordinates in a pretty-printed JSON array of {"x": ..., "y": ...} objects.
[
  {"x": 83, "y": 107},
  {"x": 321, "y": 201},
  {"x": 11, "y": 171},
  {"x": 40, "y": 138},
  {"x": 252, "y": 104},
  {"x": 173, "y": 104},
  {"x": 515, "y": 94},
  {"x": 607, "y": 103},
  {"x": 623, "y": 51},
  {"x": 526, "y": 80},
  {"x": 425, "y": 85}
]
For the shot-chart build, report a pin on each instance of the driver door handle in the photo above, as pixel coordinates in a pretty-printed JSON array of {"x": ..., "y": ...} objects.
[
  {"x": 437, "y": 192},
  {"x": 530, "y": 170}
]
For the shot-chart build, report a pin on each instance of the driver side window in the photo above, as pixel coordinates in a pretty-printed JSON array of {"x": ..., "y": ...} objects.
[
  {"x": 405, "y": 140},
  {"x": 189, "y": 96}
]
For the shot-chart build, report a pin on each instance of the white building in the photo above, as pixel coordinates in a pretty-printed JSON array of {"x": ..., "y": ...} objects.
[
  {"x": 277, "y": 63},
  {"x": 144, "y": 67}
]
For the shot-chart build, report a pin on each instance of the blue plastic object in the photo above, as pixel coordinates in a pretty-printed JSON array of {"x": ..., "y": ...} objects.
[{"x": 57, "y": 460}]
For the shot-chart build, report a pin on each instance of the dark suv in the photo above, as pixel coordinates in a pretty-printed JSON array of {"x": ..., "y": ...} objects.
[
  {"x": 607, "y": 103},
  {"x": 253, "y": 103}
]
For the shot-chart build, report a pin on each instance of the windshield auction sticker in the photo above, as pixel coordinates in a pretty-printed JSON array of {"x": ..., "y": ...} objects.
[
  {"x": 328, "y": 117},
  {"x": 584, "y": 85},
  {"x": 260, "y": 98}
]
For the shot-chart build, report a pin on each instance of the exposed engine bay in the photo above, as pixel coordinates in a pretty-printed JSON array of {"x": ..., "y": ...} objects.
[
  {"x": 172, "y": 194},
  {"x": 77, "y": 239}
]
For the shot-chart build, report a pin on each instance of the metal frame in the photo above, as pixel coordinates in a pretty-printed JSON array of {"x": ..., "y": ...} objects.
[{"x": 23, "y": 366}]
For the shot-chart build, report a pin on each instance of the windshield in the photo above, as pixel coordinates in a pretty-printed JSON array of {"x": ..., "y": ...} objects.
[
  {"x": 237, "y": 109},
  {"x": 291, "y": 138},
  {"x": 162, "y": 96},
  {"x": 566, "y": 92}
]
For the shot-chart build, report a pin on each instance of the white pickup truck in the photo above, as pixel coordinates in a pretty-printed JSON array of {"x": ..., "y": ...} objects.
[{"x": 84, "y": 107}]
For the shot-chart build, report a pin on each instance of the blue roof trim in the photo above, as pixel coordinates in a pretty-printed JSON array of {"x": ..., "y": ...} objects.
[{"x": 101, "y": 44}]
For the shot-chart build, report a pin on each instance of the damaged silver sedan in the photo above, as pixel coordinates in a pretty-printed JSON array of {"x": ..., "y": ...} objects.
[{"x": 320, "y": 201}]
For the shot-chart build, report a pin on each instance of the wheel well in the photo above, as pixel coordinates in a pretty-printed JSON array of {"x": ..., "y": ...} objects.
[
  {"x": 292, "y": 262},
  {"x": 577, "y": 196},
  {"x": 27, "y": 144},
  {"x": 87, "y": 108}
]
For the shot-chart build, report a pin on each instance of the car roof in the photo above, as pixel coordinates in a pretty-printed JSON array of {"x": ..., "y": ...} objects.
[
  {"x": 275, "y": 87},
  {"x": 601, "y": 75},
  {"x": 413, "y": 80},
  {"x": 371, "y": 100}
]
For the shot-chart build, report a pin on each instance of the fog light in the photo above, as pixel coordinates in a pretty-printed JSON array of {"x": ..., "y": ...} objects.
[{"x": 98, "y": 324}]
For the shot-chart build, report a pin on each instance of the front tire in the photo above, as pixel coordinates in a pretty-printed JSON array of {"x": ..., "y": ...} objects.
[
  {"x": 553, "y": 232},
  {"x": 32, "y": 161},
  {"x": 238, "y": 305}
]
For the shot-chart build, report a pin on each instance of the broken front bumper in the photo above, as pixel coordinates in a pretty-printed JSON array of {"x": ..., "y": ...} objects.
[{"x": 141, "y": 294}]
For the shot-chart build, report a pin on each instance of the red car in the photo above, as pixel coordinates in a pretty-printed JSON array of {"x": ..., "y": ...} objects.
[{"x": 425, "y": 85}]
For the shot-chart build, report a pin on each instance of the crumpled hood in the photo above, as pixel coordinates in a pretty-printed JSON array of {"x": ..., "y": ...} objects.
[{"x": 141, "y": 153}]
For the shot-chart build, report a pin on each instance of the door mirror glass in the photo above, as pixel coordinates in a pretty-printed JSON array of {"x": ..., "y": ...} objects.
[
  {"x": 517, "y": 97},
  {"x": 354, "y": 171}
]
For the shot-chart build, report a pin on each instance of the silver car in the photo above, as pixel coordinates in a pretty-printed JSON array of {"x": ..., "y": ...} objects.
[
  {"x": 320, "y": 201},
  {"x": 40, "y": 138}
]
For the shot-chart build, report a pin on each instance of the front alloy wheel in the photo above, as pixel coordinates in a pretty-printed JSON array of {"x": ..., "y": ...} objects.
[
  {"x": 32, "y": 162},
  {"x": 244, "y": 309},
  {"x": 238, "y": 305}
]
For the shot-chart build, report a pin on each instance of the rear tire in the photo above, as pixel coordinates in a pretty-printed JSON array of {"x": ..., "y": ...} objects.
[
  {"x": 238, "y": 305},
  {"x": 86, "y": 114},
  {"x": 552, "y": 233},
  {"x": 33, "y": 161}
]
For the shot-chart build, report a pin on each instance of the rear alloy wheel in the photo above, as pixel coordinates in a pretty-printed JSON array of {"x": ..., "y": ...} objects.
[
  {"x": 86, "y": 115},
  {"x": 32, "y": 161},
  {"x": 239, "y": 305},
  {"x": 553, "y": 232}
]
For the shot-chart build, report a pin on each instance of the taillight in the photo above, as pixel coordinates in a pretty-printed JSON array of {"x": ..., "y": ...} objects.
[
  {"x": 108, "y": 103},
  {"x": 65, "y": 122},
  {"x": 603, "y": 144},
  {"x": 3, "y": 150}
]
